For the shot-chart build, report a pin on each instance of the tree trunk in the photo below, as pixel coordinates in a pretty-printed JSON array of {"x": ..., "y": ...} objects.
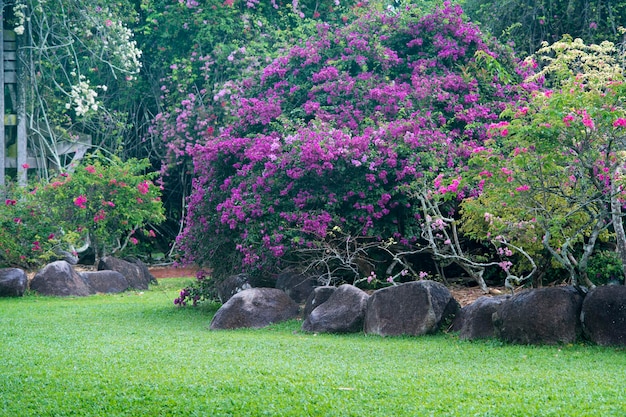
[{"x": 618, "y": 224}]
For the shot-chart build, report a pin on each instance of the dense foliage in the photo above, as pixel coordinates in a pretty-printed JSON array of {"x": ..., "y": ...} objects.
[
  {"x": 105, "y": 204},
  {"x": 555, "y": 174},
  {"x": 340, "y": 132},
  {"x": 527, "y": 24}
]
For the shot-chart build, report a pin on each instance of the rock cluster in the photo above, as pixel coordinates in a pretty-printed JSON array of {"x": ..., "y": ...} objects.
[
  {"x": 552, "y": 315},
  {"x": 59, "y": 278}
]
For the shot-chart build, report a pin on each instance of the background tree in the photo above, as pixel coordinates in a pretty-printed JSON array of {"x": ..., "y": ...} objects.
[
  {"x": 80, "y": 60},
  {"x": 529, "y": 23}
]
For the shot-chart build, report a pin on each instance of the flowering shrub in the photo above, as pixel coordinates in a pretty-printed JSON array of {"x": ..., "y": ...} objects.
[
  {"x": 108, "y": 204},
  {"x": 27, "y": 237},
  {"x": 554, "y": 177},
  {"x": 341, "y": 131}
]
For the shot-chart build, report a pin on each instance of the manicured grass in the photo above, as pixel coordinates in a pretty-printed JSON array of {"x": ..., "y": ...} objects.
[{"x": 136, "y": 354}]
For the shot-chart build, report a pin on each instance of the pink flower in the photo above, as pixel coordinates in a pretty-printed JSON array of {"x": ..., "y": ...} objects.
[
  {"x": 568, "y": 119},
  {"x": 423, "y": 275},
  {"x": 587, "y": 121},
  {"x": 133, "y": 240},
  {"x": 100, "y": 215},
  {"x": 524, "y": 187},
  {"x": 25, "y": 166},
  {"x": 620, "y": 122},
  {"x": 90, "y": 169},
  {"x": 80, "y": 201},
  {"x": 143, "y": 187},
  {"x": 151, "y": 233}
]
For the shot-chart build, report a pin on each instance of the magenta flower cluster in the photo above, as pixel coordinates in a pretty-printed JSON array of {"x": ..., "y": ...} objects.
[{"x": 338, "y": 132}]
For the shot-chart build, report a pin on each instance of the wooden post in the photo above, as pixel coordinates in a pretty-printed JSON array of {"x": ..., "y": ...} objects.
[
  {"x": 2, "y": 111},
  {"x": 22, "y": 148}
]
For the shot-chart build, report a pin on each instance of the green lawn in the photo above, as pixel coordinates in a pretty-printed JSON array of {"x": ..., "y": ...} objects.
[{"x": 136, "y": 354}]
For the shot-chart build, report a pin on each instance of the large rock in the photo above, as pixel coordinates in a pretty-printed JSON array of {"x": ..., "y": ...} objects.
[
  {"x": 13, "y": 282},
  {"x": 319, "y": 296},
  {"x": 603, "y": 315},
  {"x": 144, "y": 269},
  {"x": 474, "y": 321},
  {"x": 232, "y": 285},
  {"x": 540, "y": 316},
  {"x": 414, "y": 308},
  {"x": 255, "y": 307},
  {"x": 134, "y": 274},
  {"x": 296, "y": 285},
  {"x": 105, "y": 281},
  {"x": 343, "y": 312},
  {"x": 59, "y": 278}
]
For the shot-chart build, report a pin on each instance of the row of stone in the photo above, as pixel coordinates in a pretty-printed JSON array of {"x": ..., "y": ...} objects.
[
  {"x": 61, "y": 279},
  {"x": 550, "y": 315}
]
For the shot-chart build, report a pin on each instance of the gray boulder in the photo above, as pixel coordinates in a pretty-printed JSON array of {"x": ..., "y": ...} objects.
[
  {"x": 603, "y": 315},
  {"x": 59, "y": 278},
  {"x": 144, "y": 269},
  {"x": 105, "y": 281},
  {"x": 540, "y": 316},
  {"x": 343, "y": 312},
  {"x": 319, "y": 296},
  {"x": 414, "y": 308},
  {"x": 254, "y": 307},
  {"x": 474, "y": 321},
  {"x": 296, "y": 285},
  {"x": 13, "y": 282},
  {"x": 232, "y": 285},
  {"x": 134, "y": 274}
]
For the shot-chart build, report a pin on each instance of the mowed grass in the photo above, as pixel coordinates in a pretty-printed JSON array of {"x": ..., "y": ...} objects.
[{"x": 136, "y": 354}]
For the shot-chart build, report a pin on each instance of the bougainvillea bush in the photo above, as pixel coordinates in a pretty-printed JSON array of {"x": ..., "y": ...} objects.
[
  {"x": 342, "y": 132},
  {"x": 105, "y": 203}
]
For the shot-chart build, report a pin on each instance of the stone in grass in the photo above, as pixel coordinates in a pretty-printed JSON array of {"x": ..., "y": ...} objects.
[
  {"x": 318, "y": 297},
  {"x": 254, "y": 308},
  {"x": 298, "y": 286},
  {"x": 232, "y": 285},
  {"x": 13, "y": 282},
  {"x": 413, "y": 309},
  {"x": 474, "y": 321},
  {"x": 134, "y": 274},
  {"x": 108, "y": 282},
  {"x": 548, "y": 315},
  {"x": 603, "y": 315},
  {"x": 59, "y": 278},
  {"x": 343, "y": 312}
]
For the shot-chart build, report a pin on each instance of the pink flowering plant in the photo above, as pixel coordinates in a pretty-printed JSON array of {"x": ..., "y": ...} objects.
[
  {"x": 106, "y": 203},
  {"x": 554, "y": 181},
  {"x": 27, "y": 237},
  {"x": 341, "y": 131}
]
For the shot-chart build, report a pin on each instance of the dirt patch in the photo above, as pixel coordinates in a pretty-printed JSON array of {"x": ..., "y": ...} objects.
[
  {"x": 467, "y": 295},
  {"x": 160, "y": 272}
]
